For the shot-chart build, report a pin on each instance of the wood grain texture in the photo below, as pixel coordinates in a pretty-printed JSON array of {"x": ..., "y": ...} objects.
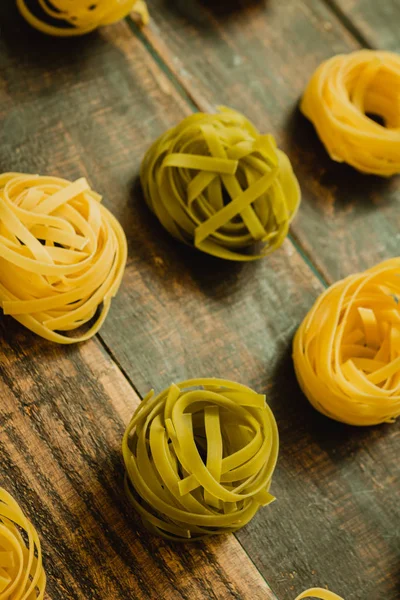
[
  {"x": 377, "y": 22},
  {"x": 63, "y": 410},
  {"x": 258, "y": 59}
]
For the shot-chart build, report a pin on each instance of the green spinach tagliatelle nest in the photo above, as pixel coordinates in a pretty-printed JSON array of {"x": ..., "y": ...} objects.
[
  {"x": 200, "y": 457},
  {"x": 216, "y": 183}
]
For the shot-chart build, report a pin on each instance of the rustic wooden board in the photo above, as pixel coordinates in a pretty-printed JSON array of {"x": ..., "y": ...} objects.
[
  {"x": 258, "y": 60},
  {"x": 376, "y": 22},
  {"x": 181, "y": 314},
  {"x": 63, "y": 410}
]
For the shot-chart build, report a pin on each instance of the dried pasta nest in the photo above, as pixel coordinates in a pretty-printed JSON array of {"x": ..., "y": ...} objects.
[
  {"x": 347, "y": 350},
  {"x": 66, "y": 18},
  {"x": 319, "y": 593},
  {"x": 62, "y": 255},
  {"x": 199, "y": 458},
  {"x": 343, "y": 99},
  {"x": 216, "y": 183},
  {"x": 22, "y": 576}
]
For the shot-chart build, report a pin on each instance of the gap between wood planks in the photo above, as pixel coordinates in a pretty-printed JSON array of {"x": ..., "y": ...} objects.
[
  {"x": 197, "y": 103},
  {"x": 346, "y": 21}
]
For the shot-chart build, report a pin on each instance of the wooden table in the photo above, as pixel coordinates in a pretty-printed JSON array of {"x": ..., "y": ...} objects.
[{"x": 91, "y": 107}]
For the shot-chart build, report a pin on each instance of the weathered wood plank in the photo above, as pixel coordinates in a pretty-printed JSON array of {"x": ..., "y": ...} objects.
[
  {"x": 259, "y": 60},
  {"x": 63, "y": 410},
  {"x": 378, "y": 22}
]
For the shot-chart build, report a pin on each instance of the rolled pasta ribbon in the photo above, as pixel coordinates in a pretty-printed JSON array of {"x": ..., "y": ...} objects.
[
  {"x": 62, "y": 255},
  {"x": 199, "y": 458},
  {"x": 216, "y": 183},
  {"x": 347, "y": 350},
  {"x": 66, "y": 18},
  {"x": 341, "y": 94},
  {"x": 22, "y": 576},
  {"x": 319, "y": 593}
]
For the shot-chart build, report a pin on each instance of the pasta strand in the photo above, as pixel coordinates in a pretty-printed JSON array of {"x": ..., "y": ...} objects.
[{"x": 319, "y": 593}]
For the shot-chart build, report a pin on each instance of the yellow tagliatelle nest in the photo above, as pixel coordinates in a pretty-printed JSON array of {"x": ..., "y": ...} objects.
[
  {"x": 22, "y": 576},
  {"x": 67, "y": 18},
  {"x": 200, "y": 457},
  {"x": 214, "y": 181},
  {"x": 62, "y": 255},
  {"x": 341, "y": 95},
  {"x": 347, "y": 350},
  {"x": 319, "y": 593}
]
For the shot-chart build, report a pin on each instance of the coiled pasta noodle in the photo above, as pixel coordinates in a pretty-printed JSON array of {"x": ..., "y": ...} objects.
[
  {"x": 347, "y": 350},
  {"x": 214, "y": 181},
  {"x": 199, "y": 458},
  {"x": 62, "y": 255},
  {"x": 77, "y": 17},
  {"x": 22, "y": 576},
  {"x": 319, "y": 593},
  {"x": 341, "y": 94}
]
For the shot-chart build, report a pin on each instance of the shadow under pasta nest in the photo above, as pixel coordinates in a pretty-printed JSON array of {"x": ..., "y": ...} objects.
[
  {"x": 215, "y": 277},
  {"x": 222, "y": 10},
  {"x": 34, "y": 49},
  {"x": 346, "y": 183},
  {"x": 21, "y": 343},
  {"x": 158, "y": 547},
  {"x": 102, "y": 501}
]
